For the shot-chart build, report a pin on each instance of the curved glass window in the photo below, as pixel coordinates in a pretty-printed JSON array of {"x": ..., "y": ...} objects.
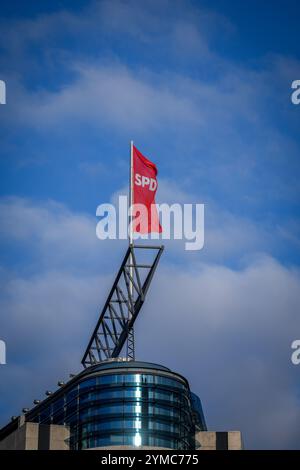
[
  {"x": 135, "y": 379},
  {"x": 126, "y": 409},
  {"x": 88, "y": 383}
]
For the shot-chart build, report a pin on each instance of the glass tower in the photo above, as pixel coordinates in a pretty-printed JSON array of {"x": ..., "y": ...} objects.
[{"x": 124, "y": 404}]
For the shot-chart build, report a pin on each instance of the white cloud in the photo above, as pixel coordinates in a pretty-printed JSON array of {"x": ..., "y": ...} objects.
[
  {"x": 110, "y": 95},
  {"x": 179, "y": 27},
  {"x": 51, "y": 235},
  {"x": 230, "y": 332},
  {"x": 229, "y": 238},
  {"x": 104, "y": 92}
]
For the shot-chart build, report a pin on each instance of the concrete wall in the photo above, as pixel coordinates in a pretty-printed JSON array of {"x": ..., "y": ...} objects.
[
  {"x": 24, "y": 438},
  {"x": 211, "y": 440},
  {"x": 32, "y": 436},
  {"x": 59, "y": 436}
]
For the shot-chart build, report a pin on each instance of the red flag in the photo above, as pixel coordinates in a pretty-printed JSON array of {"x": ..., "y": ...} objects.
[{"x": 144, "y": 190}]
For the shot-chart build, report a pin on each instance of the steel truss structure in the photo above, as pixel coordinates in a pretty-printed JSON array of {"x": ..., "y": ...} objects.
[{"x": 122, "y": 306}]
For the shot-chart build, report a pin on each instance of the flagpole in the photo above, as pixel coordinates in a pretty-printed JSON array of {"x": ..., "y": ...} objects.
[
  {"x": 131, "y": 191},
  {"x": 130, "y": 340}
]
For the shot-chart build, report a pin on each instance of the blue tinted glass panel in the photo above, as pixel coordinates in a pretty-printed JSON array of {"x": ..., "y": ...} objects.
[
  {"x": 87, "y": 383},
  {"x": 71, "y": 394}
]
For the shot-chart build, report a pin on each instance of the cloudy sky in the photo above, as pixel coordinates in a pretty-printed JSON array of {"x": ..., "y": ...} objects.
[{"x": 204, "y": 90}]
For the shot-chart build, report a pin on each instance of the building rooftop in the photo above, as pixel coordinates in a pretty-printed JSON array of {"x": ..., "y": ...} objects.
[
  {"x": 117, "y": 363},
  {"x": 110, "y": 364}
]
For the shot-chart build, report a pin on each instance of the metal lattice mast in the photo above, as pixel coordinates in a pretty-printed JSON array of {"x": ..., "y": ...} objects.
[{"x": 114, "y": 324}]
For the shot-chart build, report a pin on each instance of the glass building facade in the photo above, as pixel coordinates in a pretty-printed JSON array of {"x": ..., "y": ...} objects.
[{"x": 124, "y": 404}]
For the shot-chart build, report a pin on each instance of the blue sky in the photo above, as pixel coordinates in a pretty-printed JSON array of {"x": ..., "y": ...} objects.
[{"x": 204, "y": 90}]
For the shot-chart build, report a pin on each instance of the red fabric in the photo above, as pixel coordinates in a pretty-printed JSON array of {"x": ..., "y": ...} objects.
[{"x": 144, "y": 190}]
